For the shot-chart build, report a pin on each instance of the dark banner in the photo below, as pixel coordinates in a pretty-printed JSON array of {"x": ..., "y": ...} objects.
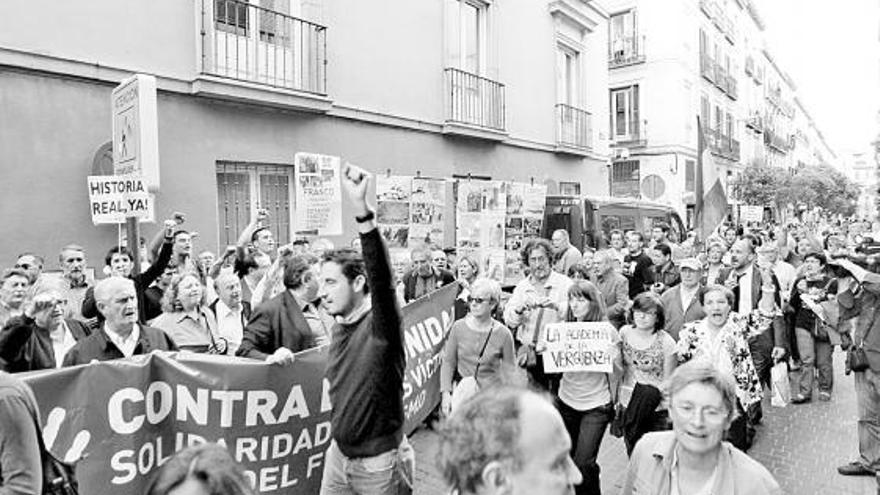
[{"x": 128, "y": 417}]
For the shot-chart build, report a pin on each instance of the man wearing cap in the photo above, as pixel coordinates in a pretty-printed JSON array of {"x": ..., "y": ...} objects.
[{"x": 681, "y": 304}]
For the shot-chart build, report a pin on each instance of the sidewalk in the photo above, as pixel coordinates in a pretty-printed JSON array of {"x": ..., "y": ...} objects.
[{"x": 802, "y": 445}]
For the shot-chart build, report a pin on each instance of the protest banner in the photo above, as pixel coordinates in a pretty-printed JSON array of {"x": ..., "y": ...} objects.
[
  {"x": 579, "y": 346},
  {"x": 112, "y": 198},
  {"x": 751, "y": 213},
  {"x": 127, "y": 417},
  {"x": 318, "y": 194}
]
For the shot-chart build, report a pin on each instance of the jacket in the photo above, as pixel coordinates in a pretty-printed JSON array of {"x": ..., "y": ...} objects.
[
  {"x": 279, "y": 322},
  {"x": 99, "y": 347},
  {"x": 443, "y": 277},
  {"x": 26, "y": 347},
  {"x": 780, "y": 333},
  {"x": 864, "y": 304},
  {"x": 676, "y": 315},
  {"x": 650, "y": 468}
]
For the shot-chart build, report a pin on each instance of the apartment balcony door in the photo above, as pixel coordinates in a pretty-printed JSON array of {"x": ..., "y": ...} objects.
[{"x": 625, "y": 114}]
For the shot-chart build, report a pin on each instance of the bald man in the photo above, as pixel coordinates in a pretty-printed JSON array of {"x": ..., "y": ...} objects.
[{"x": 120, "y": 336}]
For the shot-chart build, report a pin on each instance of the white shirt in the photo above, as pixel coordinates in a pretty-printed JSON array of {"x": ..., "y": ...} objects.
[
  {"x": 786, "y": 274},
  {"x": 229, "y": 325},
  {"x": 555, "y": 288},
  {"x": 62, "y": 341},
  {"x": 126, "y": 344},
  {"x": 687, "y": 295},
  {"x": 745, "y": 292}
]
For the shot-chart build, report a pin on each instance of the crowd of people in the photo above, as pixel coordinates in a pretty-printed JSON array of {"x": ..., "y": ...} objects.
[{"x": 695, "y": 329}]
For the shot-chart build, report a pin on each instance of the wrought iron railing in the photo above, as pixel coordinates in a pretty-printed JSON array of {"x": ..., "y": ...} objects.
[
  {"x": 474, "y": 100},
  {"x": 250, "y": 43},
  {"x": 626, "y": 50},
  {"x": 574, "y": 127}
]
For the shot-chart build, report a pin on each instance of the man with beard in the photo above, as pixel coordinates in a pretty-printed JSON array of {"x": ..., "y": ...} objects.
[
  {"x": 40, "y": 338},
  {"x": 369, "y": 452},
  {"x": 280, "y": 327},
  {"x": 121, "y": 336},
  {"x": 537, "y": 300}
]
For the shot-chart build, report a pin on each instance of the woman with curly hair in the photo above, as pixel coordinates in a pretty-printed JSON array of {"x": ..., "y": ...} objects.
[{"x": 186, "y": 317}]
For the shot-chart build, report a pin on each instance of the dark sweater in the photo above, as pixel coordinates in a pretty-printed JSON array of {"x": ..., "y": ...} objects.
[
  {"x": 804, "y": 316},
  {"x": 366, "y": 365},
  {"x": 639, "y": 273}
]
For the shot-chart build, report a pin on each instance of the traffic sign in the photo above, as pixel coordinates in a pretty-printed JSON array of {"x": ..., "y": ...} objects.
[{"x": 136, "y": 129}]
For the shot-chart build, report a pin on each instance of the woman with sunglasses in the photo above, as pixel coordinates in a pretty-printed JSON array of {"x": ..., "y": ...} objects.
[
  {"x": 477, "y": 347},
  {"x": 586, "y": 399}
]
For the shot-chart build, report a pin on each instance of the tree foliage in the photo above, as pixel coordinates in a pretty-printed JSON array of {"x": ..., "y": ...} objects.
[{"x": 811, "y": 186}]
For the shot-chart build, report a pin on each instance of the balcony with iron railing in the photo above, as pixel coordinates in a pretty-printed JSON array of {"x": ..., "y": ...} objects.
[
  {"x": 252, "y": 44},
  {"x": 731, "y": 86},
  {"x": 475, "y": 105},
  {"x": 776, "y": 141},
  {"x": 750, "y": 65},
  {"x": 723, "y": 145},
  {"x": 626, "y": 50},
  {"x": 574, "y": 129},
  {"x": 720, "y": 77},
  {"x": 636, "y": 135},
  {"x": 755, "y": 122},
  {"x": 707, "y": 67}
]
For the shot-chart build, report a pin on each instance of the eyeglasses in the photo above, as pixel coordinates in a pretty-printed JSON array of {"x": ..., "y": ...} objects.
[
  {"x": 710, "y": 414},
  {"x": 478, "y": 300},
  {"x": 24, "y": 266}
]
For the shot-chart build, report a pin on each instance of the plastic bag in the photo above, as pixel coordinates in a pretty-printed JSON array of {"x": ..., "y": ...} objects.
[{"x": 781, "y": 386}]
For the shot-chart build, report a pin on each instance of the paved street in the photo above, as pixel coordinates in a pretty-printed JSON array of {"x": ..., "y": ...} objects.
[{"x": 801, "y": 445}]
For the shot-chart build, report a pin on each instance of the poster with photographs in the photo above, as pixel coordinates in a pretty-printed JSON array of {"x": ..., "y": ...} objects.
[
  {"x": 318, "y": 194},
  {"x": 392, "y": 209},
  {"x": 525, "y": 213},
  {"x": 480, "y": 224},
  {"x": 427, "y": 203}
]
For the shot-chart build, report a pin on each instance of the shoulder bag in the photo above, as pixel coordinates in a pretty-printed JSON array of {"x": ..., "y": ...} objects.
[{"x": 468, "y": 386}]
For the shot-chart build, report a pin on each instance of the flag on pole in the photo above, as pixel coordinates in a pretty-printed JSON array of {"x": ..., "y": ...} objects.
[{"x": 710, "y": 201}]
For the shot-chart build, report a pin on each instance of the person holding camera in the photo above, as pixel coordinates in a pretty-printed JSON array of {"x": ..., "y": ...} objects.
[{"x": 858, "y": 294}]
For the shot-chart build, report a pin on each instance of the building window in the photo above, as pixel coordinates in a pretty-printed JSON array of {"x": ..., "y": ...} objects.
[
  {"x": 231, "y": 16},
  {"x": 624, "y": 36},
  {"x": 466, "y": 35},
  {"x": 690, "y": 176},
  {"x": 570, "y": 188},
  {"x": 567, "y": 69},
  {"x": 625, "y": 113},
  {"x": 244, "y": 187},
  {"x": 705, "y": 112},
  {"x": 625, "y": 178}
]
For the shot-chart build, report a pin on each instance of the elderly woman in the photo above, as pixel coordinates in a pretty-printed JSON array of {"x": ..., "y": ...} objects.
[
  {"x": 39, "y": 338},
  {"x": 186, "y": 318},
  {"x": 478, "y": 345},
  {"x": 586, "y": 398},
  {"x": 693, "y": 458},
  {"x": 714, "y": 262},
  {"x": 721, "y": 339}
]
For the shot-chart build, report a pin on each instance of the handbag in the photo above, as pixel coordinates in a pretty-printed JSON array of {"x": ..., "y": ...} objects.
[
  {"x": 526, "y": 355},
  {"x": 616, "y": 427},
  {"x": 468, "y": 386},
  {"x": 781, "y": 386},
  {"x": 857, "y": 359}
]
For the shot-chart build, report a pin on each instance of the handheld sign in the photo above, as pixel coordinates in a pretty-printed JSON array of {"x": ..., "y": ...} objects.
[
  {"x": 579, "y": 346},
  {"x": 112, "y": 198},
  {"x": 136, "y": 129},
  {"x": 318, "y": 194}
]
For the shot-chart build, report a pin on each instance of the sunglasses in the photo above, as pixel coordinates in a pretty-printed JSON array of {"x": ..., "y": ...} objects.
[{"x": 478, "y": 300}]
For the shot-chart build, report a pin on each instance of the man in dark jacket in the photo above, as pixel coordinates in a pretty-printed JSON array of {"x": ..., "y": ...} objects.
[
  {"x": 120, "y": 336},
  {"x": 423, "y": 278},
  {"x": 39, "y": 338},
  {"x": 279, "y": 327},
  {"x": 120, "y": 263},
  {"x": 366, "y": 362}
]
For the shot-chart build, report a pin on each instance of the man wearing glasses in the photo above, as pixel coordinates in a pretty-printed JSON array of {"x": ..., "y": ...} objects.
[
  {"x": 39, "y": 338},
  {"x": 537, "y": 300}
]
